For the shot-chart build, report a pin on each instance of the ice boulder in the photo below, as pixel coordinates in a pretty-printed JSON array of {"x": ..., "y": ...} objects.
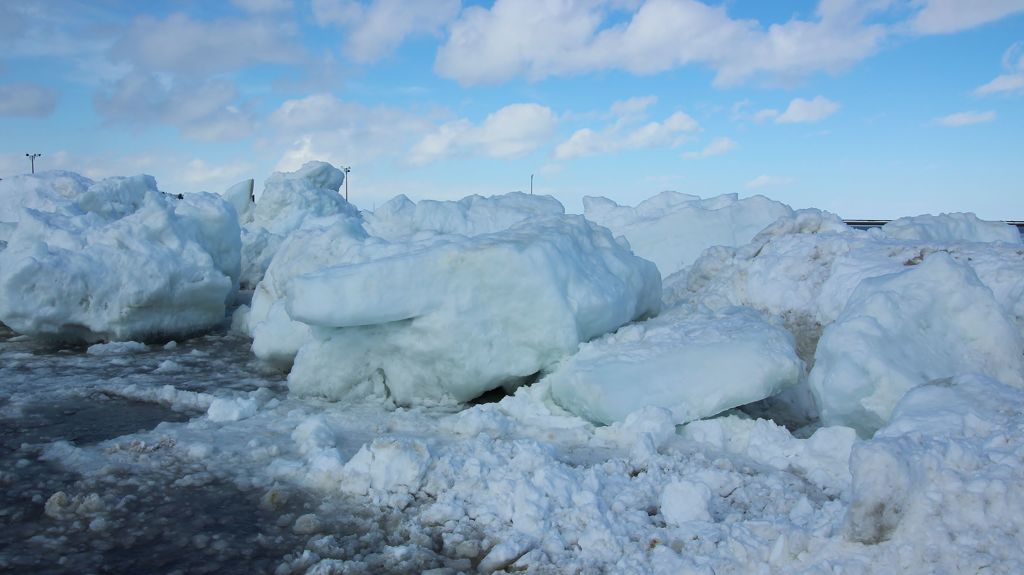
[
  {"x": 673, "y": 229},
  {"x": 120, "y": 261},
  {"x": 696, "y": 364},
  {"x": 288, "y": 201},
  {"x": 401, "y": 218},
  {"x": 949, "y": 463},
  {"x": 933, "y": 320},
  {"x": 43, "y": 191},
  {"x": 957, "y": 227},
  {"x": 453, "y": 316}
]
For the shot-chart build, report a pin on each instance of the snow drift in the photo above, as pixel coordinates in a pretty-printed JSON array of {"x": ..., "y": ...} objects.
[{"x": 116, "y": 260}]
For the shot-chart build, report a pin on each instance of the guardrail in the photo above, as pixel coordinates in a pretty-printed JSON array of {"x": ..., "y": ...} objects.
[{"x": 865, "y": 224}]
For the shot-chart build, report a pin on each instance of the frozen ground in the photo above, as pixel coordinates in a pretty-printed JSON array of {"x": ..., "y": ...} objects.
[{"x": 894, "y": 357}]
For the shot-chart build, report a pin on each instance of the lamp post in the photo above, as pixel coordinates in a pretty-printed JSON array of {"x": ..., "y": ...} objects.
[
  {"x": 32, "y": 158},
  {"x": 531, "y": 184},
  {"x": 347, "y": 169}
]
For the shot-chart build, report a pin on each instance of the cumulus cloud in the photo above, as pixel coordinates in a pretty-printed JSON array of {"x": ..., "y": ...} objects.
[
  {"x": 27, "y": 100},
  {"x": 511, "y": 132},
  {"x": 377, "y": 29},
  {"x": 264, "y": 6},
  {"x": 964, "y": 119},
  {"x": 948, "y": 16},
  {"x": 1013, "y": 80},
  {"x": 537, "y": 38},
  {"x": 766, "y": 181},
  {"x": 202, "y": 110},
  {"x": 717, "y": 147},
  {"x": 628, "y": 131},
  {"x": 199, "y": 174},
  {"x": 321, "y": 126},
  {"x": 183, "y": 46},
  {"x": 801, "y": 111}
]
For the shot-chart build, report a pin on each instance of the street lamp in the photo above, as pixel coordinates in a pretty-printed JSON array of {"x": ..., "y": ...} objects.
[
  {"x": 347, "y": 169},
  {"x": 32, "y": 158},
  {"x": 531, "y": 184}
]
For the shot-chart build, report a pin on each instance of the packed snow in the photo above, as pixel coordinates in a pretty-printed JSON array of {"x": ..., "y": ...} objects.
[{"x": 803, "y": 398}]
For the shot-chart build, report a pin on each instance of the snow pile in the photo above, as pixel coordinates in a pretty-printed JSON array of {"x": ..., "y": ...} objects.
[
  {"x": 944, "y": 475},
  {"x": 673, "y": 229},
  {"x": 951, "y": 228},
  {"x": 450, "y": 317},
  {"x": 695, "y": 364},
  {"x": 119, "y": 261},
  {"x": 289, "y": 200},
  {"x": 933, "y": 320},
  {"x": 401, "y": 218}
]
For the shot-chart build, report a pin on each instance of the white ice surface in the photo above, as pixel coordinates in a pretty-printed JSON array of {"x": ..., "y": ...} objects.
[
  {"x": 119, "y": 260},
  {"x": 673, "y": 229},
  {"x": 696, "y": 364},
  {"x": 957, "y": 227}
]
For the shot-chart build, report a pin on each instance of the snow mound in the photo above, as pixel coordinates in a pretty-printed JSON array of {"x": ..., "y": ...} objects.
[
  {"x": 673, "y": 229},
  {"x": 962, "y": 227},
  {"x": 451, "y": 317},
  {"x": 289, "y": 200},
  {"x": 946, "y": 469},
  {"x": 935, "y": 319},
  {"x": 119, "y": 261},
  {"x": 401, "y": 218},
  {"x": 695, "y": 364}
]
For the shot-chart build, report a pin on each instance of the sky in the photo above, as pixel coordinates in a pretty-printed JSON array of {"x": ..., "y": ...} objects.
[{"x": 869, "y": 108}]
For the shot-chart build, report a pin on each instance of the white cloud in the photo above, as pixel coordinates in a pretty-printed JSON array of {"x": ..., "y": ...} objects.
[
  {"x": 765, "y": 181},
  {"x": 948, "y": 16},
  {"x": 965, "y": 119},
  {"x": 204, "y": 110},
  {"x": 628, "y": 132},
  {"x": 376, "y": 30},
  {"x": 200, "y": 175},
  {"x": 30, "y": 100},
  {"x": 762, "y": 116},
  {"x": 1013, "y": 80},
  {"x": 264, "y": 6},
  {"x": 181, "y": 45},
  {"x": 537, "y": 38},
  {"x": 717, "y": 147},
  {"x": 321, "y": 126},
  {"x": 801, "y": 111},
  {"x": 512, "y": 131}
]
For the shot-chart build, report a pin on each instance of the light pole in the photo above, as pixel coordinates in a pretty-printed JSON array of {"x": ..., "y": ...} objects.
[
  {"x": 32, "y": 158},
  {"x": 531, "y": 184},
  {"x": 347, "y": 170}
]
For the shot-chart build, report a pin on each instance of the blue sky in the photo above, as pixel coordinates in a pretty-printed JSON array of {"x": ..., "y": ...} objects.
[{"x": 870, "y": 108}]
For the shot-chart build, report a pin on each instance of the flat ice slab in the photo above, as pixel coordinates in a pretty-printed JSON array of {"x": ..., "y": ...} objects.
[
  {"x": 453, "y": 316},
  {"x": 694, "y": 364}
]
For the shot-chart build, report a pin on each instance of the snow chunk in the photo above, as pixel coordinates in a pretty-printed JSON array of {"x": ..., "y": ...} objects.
[
  {"x": 946, "y": 468},
  {"x": 117, "y": 348},
  {"x": 451, "y": 317},
  {"x": 387, "y": 467},
  {"x": 958, "y": 227},
  {"x": 933, "y": 320},
  {"x": 684, "y": 501},
  {"x": 224, "y": 409},
  {"x": 673, "y": 229},
  {"x": 44, "y": 191},
  {"x": 121, "y": 261},
  {"x": 695, "y": 364}
]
